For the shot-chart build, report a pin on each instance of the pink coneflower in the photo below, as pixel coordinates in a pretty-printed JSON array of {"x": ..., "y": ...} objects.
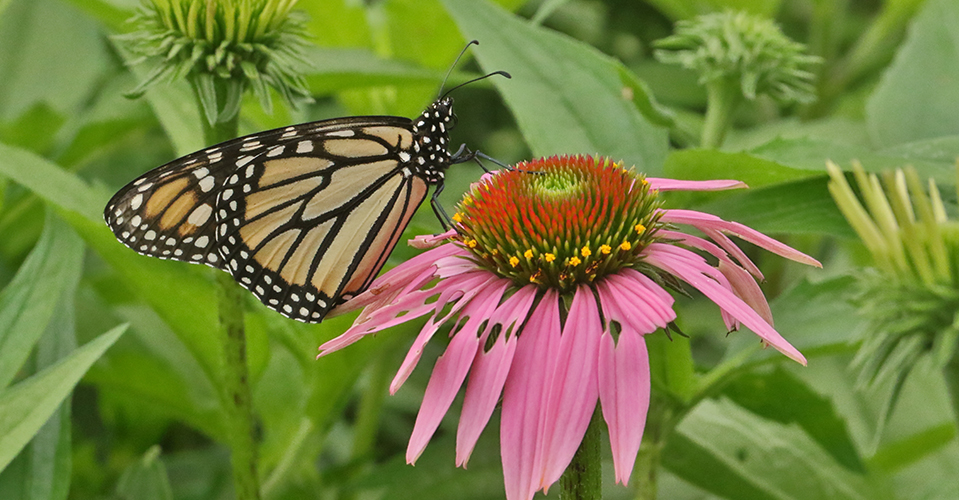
[{"x": 550, "y": 282}]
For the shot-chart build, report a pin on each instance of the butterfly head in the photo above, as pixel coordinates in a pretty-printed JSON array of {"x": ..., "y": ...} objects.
[{"x": 431, "y": 140}]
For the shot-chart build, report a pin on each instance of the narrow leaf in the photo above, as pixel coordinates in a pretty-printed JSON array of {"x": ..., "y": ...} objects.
[{"x": 25, "y": 407}]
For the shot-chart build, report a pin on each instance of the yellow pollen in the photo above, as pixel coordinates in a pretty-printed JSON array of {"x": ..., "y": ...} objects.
[
  {"x": 528, "y": 254},
  {"x": 513, "y": 261},
  {"x": 626, "y": 246},
  {"x": 550, "y": 257},
  {"x": 605, "y": 249},
  {"x": 471, "y": 243},
  {"x": 585, "y": 252},
  {"x": 574, "y": 261},
  {"x": 457, "y": 217},
  {"x": 639, "y": 228}
]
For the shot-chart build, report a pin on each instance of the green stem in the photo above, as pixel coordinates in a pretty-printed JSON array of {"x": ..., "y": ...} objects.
[
  {"x": 582, "y": 479},
  {"x": 951, "y": 376},
  {"x": 723, "y": 97},
  {"x": 236, "y": 395},
  {"x": 645, "y": 472}
]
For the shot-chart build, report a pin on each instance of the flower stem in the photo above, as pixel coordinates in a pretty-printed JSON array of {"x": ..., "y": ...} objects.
[
  {"x": 582, "y": 479},
  {"x": 235, "y": 391},
  {"x": 951, "y": 376},
  {"x": 645, "y": 472},
  {"x": 723, "y": 97}
]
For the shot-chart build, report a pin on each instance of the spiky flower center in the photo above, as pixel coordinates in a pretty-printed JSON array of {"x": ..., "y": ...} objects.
[{"x": 559, "y": 222}]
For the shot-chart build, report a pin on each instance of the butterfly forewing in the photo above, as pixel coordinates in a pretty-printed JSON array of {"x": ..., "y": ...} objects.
[{"x": 303, "y": 216}]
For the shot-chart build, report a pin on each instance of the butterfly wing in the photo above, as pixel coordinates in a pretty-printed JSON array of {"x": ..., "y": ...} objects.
[
  {"x": 303, "y": 216},
  {"x": 306, "y": 231}
]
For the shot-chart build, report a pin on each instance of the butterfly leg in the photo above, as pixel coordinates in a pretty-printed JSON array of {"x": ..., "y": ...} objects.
[{"x": 441, "y": 214}]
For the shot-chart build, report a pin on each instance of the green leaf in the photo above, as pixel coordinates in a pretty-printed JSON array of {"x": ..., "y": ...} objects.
[
  {"x": 918, "y": 96},
  {"x": 50, "y": 182},
  {"x": 733, "y": 453},
  {"x": 930, "y": 158},
  {"x": 30, "y": 300},
  {"x": 781, "y": 397},
  {"x": 42, "y": 470},
  {"x": 914, "y": 447},
  {"x": 566, "y": 96},
  {"x": 146, "y": 479},
  {"x": 25, "y": 407},
  {"x": 684, "y": 9},
  {"x": 182, "y": 296},
  {"x": 52, "y": 54},
  {"x": 347, "y": 69},
  {"x": 707, "y": 164},
  {"x": 798, "y": 207}
]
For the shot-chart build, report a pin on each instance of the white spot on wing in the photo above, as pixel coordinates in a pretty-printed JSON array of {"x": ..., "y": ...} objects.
[
  {"x": 304, "y": 146},
  {"x": 206, "y": 183}
]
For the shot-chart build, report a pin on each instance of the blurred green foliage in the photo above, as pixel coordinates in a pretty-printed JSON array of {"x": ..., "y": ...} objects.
[{"x": 143, "y": 419}]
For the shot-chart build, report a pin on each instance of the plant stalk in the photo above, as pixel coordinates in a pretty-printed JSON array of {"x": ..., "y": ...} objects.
[
  {"x": 235, "y": 388},
  {"x": 582, "y": 479},
  {"x": 723, "y": 97}
]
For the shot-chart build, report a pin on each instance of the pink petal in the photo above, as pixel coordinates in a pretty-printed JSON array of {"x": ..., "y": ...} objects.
[
  {"x": 704, "y": 221},
  {"x": 661, "y": 184},
  {"x": 391, "y": 282},
  {"x": 713, "y": 249},
  {"x": 633, "y": 287},
  {"x": 692, "y": 269},
  {"x": 490, "y": 370},
  {"x": 483, "y": 390},
  {"x": 448, "y": 375},
  {"x": 487, "y": 296},
  {"x": 431, "y": 240},
  {"x": 746, "y": 288},
  {"x": 525, "y": 397},
  {"x": 573, "y": 390},
  {"x": 624, "y": 390}
]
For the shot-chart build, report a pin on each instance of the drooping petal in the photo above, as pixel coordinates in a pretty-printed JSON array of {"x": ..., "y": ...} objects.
[
  {"x": 490, "y": 369},
  {"x": 631, "y": 288},
  {"x": 694, "y": 270},
  {"x": 447, "y": 378},
  {"x": 525, "y": 397},
  {"x": 624, "y": 389},
  {"x": 746, "y": 288},
  {"x": 704, "y": 222},
  {"x": 487, "y": 294},
  {"x": 573, "y": 388},
  {"x": 411, "y": 275},
  {"x": 661, "y": 184}
]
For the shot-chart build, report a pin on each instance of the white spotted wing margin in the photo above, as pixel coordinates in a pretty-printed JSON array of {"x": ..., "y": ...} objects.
[{"x": 302, "y": 216}]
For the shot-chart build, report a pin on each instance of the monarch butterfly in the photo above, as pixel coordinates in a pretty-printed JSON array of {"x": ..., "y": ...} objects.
[{"x": 302, "y": 216}]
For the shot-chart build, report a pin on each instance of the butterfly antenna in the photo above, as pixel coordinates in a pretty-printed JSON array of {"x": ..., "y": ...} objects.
[
  {"x": 500, "y": 73},
  {"x": 457, "y": 61}
]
